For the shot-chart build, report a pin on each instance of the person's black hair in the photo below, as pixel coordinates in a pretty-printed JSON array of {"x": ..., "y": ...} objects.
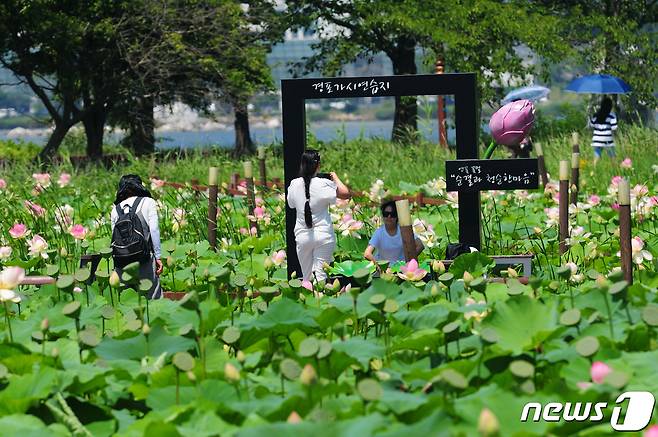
[
  {"x": 307, "y": 169},
  {"x": 130, "y": 185},
  {"x": 388, "y": 203},
  {"x": 604, "y": 110}
]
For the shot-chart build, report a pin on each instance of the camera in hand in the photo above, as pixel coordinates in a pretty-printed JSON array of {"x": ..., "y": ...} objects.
[{"x": 324, "y": 175}]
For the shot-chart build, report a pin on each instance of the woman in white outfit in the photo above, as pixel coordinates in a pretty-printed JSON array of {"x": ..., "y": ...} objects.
[
  {"x": 310, "y": 195},
  {"x": 132, "y": 190}
]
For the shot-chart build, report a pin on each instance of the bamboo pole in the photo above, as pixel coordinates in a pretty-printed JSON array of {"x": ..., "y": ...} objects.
[
  {"x": 575, "y": 177},
  {"x": 564, "y": 206},
  {"x": 261, "y": 166},
  {"x": 542, "y": 164},
  {"x": 406, "y": 231},
  {"x": 251, "y": 195},
  {"x": 212, "y": 207},
  {"x": 575, "y": 148},
  {"x": 624, "y": 199}
]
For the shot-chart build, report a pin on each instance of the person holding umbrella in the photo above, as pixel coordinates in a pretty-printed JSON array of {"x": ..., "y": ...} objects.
[{"x": 603, "y": 124}]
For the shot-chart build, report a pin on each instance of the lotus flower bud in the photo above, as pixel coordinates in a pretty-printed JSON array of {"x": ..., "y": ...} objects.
[
  {"x": 241, "y": 356},
  {"x": 488, "y": 423},
  {"x": 294, "y": 418},
  {"x": 308, "y": 375},
  {"x": 191, "y": 376},
  {"x": 249, "y": 293},
  {"x": 114, "y": 279},
  {"x": 602, "y": 282},
  {"x": 434, "y": 291},
  {"x": 231, "y": 373},
  {"x": 146, "y": 329},
  {"x": 55, "y": 352},
  {"x": 63, "y": 252},
  {"x": 512, "y": 123},
  {"x": 438, "y": 266},
  {"x": 512, "y": 273},
  {"x": 468, "y": 278},
  {"x": 44, "y": 325},
  {"x": 170, "y": 261},
  {"x": 193, "y": 267},
  {"x": 268, "y": 263}
]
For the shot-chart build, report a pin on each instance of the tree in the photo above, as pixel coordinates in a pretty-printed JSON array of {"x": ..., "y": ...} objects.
[
  {"x": 615, "y": 37},
  {"x": 483, "y": 36}
]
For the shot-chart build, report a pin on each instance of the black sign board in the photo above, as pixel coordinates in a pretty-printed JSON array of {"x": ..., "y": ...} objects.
[
  {"x": 294, "y": 93},
  {"x": 470, "y": 175}
]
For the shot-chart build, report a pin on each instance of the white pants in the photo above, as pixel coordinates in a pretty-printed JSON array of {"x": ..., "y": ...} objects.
[{"x": 314, "y": 248}]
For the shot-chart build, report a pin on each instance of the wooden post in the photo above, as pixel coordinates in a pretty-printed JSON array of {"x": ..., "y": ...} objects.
[
  {"x": 212, "y": 207},
  {"x": 251, "y": 195},
  {"x": 541, "y": 164},
  {"x": 406, "y": 231},
  {"x": 575, "y": 176},
  {"x": 564, "y": 206},
  {"x": 625, "y": 229},
  {"x": 575, "y": 148},
  {"x": 235, "y": 180},
  {"x": 440, "y": 108},
  {"x": 261, "y": 166}
]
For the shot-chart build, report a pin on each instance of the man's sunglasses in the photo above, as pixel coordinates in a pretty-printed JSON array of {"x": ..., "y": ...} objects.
[{"x": 390, "y": 214}]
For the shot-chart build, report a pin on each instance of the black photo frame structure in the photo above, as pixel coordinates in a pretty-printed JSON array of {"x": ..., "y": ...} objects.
[{"x": 295, "y": 92}]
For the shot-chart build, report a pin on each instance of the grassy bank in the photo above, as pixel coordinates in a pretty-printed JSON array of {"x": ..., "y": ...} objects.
[{"x": 363, "y": 161}]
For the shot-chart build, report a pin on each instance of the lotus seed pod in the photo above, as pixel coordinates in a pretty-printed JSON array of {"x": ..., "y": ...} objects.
[
  {"x": 488, "y": 423},
  {"x": 308, "y": 375},
  {"x": 115, "y": 281},
  {"x": 231, "y": 373}
]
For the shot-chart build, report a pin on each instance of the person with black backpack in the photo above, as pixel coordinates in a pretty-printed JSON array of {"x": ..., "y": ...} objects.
[{"x": 136, "y": 232}]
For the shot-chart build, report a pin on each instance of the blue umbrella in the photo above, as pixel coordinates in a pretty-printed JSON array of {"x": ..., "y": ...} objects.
[
  {"x": 533, "y": 92},
  {"x": 598, "y": 84}
]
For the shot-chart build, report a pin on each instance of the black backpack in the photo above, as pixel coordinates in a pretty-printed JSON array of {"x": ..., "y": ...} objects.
[{"x": 131, "y": 238}]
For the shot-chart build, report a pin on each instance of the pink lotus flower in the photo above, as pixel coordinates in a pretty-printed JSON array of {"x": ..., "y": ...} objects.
[
  {"x": 473, "y": 314},
  {"x": 19, "y": 230},
  {"x": 77, "y": 290},
  {"x": 10, "y": 278},
  {"x": 639, "y": 190},
  {"x": 64, "y": 180},
  {"x": 512, "y": 123},
  {"x": 307, "y": 285},
  {"x": 260, "y": 215},
  {"x": 626, "y": 163},
  {"x": 594, "y": 200},
  {"x": 599, "y": 371},
  {"x": 349, "y": 227},
  {"x": 411, "y": 271},
  {"x": 64, "y": 215},
  {"x": 35, "y": 209},
  {"x": 38, "y": 246},
  {"x": 279, "y": 257},
  {"x": 78, "y": 232},
  {"x": 243, "y": 231},
  {"x": 253, "y": 231},
  {"x": 42, "y": 179},
  {"x": 157, "y": 184},
  {"x": 638, "y": 253},
  {"x": 3, "y": 184},
  {"x": 5, "y": 252},
  {"x": 615, "y": 206},
  {"x": 652, "y": 431},
  {"x": 615, "y": 181}
]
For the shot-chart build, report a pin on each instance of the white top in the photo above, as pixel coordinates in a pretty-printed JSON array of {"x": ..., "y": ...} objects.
[
  {"x": 388, "y": 247},
  {"x": 149, "y": 211},
  {"x": 602, "y": 132},
  {"x": 322, "y": 194}
]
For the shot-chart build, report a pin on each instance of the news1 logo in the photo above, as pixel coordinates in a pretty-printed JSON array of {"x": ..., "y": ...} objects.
[{"x": 638, "y": 413}]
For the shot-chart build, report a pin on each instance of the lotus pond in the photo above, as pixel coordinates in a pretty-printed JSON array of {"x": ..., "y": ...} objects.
[{"x": 421, "y": 350}]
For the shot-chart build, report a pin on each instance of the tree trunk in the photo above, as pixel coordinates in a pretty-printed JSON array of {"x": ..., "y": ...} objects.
[
  {"x": 243, "y": 143},
  {"x": 405, "y": 121},
  {"x": 141, "y": 137},
  {"x": 48, "y": 153},
  {"x": 94, "y": 122}
]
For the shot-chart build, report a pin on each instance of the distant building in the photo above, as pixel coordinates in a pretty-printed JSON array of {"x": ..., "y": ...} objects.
[{"x": 298, "y": 45}]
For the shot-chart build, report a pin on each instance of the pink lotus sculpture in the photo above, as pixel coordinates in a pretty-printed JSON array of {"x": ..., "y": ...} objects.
[{"x": 511, "y": 124}]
